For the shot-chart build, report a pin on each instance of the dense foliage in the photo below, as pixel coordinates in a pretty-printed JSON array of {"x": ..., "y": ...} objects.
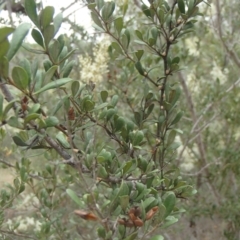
[{"x": 105, "y": 145}]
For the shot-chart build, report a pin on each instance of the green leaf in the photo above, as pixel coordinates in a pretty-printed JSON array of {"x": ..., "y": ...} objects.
[
  {"x": 108, "y": 10},
  {"x": 118, "y": 24},
  {"x": 4, "y": 66},
  {"x": 110, "y": 113},
  {"x": 74, "y": 197},
  {"x": 75, "y": 88},
  {"x": 140, "y": 69},
  {"x": 31, "y": 9},
  {"x": 92, "y": 6},
  {"x": 140, "y": 42},
  {"x": 119, "y": 123},
  {"x": 19, "y": 142},
  {"x": 50, "y": 73},
  {"x": 57, "y": 22},
  {"x": 147, "y": 204},
  {"x": 55, "y": 84},
  {"x": 124, "y": 189},
  {"x": 47, "y": 64},
  {"x": 139, "y": 34},
  {"x": 20, "y": 78},
  {"x": 15, "y": 122},
  {"x": 4, "y": 46},
  {"x": 181, "y": 6},
  {"x": 191, "y": 4},
  {"x": 170, "y": 220},
  {"x": 96, "y": 20},
  {"x": 38, "y": 80},
  {"x": 5, "y": 32},
  {"x": 101, "y": 232},
  {"x": 131, "y": 236},
  {"x": 157, "y": 237},
  {"x": 174, "y": 146},
  {"x": 161, "y": 15},
  {"x": 19, "y": 34},
  {"x": 8, "y": 108},
  {"x": 139, "y": 54},
  {"x": 169, "y": 202},
  {"x": 154, "y": 33},
  {"x": 25, "y": 64},
  {"x": 61, "y": 138},
  {"x": 48, "y": 34},
  {"x": 124, "y": 7},
  {"x": 102, "y": 173},
  {"x": 68, "y": 68},
  {"x": 114, "y": 100},
  {"x": 35, "y": 108},
  {"x": 54, "y": 50},
  {"x": 138, "y": 137},
  {"x": 63, "y": 58},
  {"x": 1, "y": 104},
  {"x": 149, "y": 110},
  {"x": 31, "y": 117},
  {"x": 171, "y": 137},
  {"x": 125, "y": 39},
  {"x": 117, "y": 47},
  {"x": 176, "y": 60},
  {"x": 46, "y": 16},
  {"x": 41, "y": 123},
  {"x": 104, "y": 95},
  {"x": 38, "y": 38},
  {"x": 174, "y": 67},
  {"x": 177, "y": 118},
  {"x": 124, "y": 201},
  {"x": 147, "y": 11},
  {"x": 138, "y": 118},
  {"x": 51, "y": 121},
  {"x": 88, "y": 105},
  {"x": 100, "y": 4}
]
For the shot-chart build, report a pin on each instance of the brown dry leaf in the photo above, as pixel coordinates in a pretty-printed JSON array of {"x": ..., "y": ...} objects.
[
  {"x": 151, "y": 212},
  {"x": 132, "y": 216},
  {"x": 86, "y": 215},
  {"x": 135, "y": 210},
  {"x": 126, "y": 222}
]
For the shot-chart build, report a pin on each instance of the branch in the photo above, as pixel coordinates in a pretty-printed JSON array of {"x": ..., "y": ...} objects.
[
  {"x": 8, "y": 96},
  {"x": 199, "y": 141},
  {"x": 231, "y": 53},
  {"x": 200, "y": 171}
]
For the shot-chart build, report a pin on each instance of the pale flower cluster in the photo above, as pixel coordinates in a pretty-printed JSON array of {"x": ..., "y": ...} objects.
[
  {"x": 191, "y": 44},
  {"x": 188, "y": 160},
  {"x": 217, "y": 72},
  {"x": 25, "y": 223},
  {"x": 94, "y": 69},
  {"x": 29, "y": 202}
]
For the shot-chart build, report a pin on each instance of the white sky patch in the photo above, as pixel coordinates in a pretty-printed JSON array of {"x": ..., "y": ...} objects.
[{"x": 77, "y": 13}]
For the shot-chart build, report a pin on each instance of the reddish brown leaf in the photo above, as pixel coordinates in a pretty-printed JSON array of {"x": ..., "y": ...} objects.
[{"x": 86, "y": 215}]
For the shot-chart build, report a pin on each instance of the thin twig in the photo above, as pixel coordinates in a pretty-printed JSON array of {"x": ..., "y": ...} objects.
[{"x": 200, "y": 171}]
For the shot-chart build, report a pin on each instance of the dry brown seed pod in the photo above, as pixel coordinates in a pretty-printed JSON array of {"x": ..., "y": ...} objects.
[
  {"x": 71, "y": 114},
  {"x": 138, "y": 222}
]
